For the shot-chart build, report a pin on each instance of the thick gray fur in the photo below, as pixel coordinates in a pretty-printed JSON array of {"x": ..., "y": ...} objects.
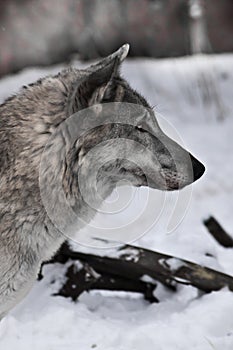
[{"x": 27, "y": 120}]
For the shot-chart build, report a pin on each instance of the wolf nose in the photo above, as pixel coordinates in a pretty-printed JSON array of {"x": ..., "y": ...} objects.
[{"x": 198, "y": 168}]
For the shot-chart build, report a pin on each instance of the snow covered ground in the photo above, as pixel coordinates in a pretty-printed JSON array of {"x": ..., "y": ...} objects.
[{"x": 194, "y": 95}]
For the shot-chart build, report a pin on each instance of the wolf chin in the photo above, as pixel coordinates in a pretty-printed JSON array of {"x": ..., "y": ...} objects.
[{"x": 27, "y": 120}]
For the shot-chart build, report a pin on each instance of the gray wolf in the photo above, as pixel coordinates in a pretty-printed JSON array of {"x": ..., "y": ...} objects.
[{"x": 27, "y": 120}]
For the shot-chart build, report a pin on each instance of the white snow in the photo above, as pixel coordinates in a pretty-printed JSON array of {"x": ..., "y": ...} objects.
[{"x": 194, "y": 95}]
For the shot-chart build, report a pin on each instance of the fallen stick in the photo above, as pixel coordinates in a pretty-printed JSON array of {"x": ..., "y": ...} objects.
[
  {"x": 135, "y": 263},
  {"x": 77, "y": 281},
  {"x": 86, "y": 279},
  {"x": 219, "y": 234}
]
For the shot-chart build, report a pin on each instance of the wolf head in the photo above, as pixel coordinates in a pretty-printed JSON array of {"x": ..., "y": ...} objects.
[{"x": 146, "y": 156}]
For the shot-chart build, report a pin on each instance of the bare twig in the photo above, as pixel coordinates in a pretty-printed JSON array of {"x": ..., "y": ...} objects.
[
  {"x": 86, "y": 279},
  {"x": 216, "y": 230},
  {"x": 133, "y": 263}
]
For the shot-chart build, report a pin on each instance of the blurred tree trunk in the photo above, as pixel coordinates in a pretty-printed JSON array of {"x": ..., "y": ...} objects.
[{"x": 199, "y": 40}]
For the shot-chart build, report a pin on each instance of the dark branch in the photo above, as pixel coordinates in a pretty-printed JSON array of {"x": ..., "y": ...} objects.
[
  {"x": 132, "y": 263},
  {"x": 216, "y": 230},
  {"x": 86, "y": 279}
]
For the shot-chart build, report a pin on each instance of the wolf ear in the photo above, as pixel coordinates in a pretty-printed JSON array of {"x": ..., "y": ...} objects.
[
  {"x": 121, "y": 54},
  {"x": 99, "y": 80}
]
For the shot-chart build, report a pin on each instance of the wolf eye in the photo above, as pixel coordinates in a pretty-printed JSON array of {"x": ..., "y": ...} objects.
[{"x": 140, "y": 128}]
